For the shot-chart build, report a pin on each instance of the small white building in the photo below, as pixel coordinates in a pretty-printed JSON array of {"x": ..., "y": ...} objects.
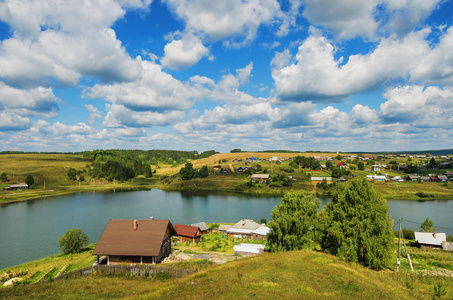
[
  {"x": 248, "y": 249},
  {"x": 430, "y": 239}
]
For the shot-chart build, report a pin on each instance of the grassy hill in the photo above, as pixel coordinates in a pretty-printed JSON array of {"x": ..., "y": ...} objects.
[{"x": 288, "y": 275}]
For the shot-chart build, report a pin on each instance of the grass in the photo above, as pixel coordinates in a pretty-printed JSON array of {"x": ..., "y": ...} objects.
[
  {"x": 36, "y": 269},
  {"x": 287, "y": 275},
  {"x": 214, "y": 242}
]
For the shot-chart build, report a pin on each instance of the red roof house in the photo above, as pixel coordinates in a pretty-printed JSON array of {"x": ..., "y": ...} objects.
[{"x": 188, "y": 233}]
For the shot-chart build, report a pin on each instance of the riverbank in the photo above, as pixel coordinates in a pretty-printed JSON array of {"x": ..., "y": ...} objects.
[
  {"x": 50, "y": 172},
  {"x": 400, "y": 191}
]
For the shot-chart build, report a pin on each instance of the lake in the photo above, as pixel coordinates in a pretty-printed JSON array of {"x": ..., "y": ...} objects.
[{"x": 30, "y": 230}]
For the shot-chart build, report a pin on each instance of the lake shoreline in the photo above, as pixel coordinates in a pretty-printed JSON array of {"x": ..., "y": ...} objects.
[{"x": 42, "y": 194}]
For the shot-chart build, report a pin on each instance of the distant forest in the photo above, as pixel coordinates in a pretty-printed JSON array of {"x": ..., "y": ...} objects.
[{"x": 127, "y": 164}]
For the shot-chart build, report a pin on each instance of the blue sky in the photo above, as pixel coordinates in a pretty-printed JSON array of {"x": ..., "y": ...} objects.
[{"x": 341, "y": 75}]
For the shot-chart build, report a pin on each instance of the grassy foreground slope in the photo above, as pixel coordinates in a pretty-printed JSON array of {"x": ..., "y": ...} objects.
[{"x": 290, "y": 275}]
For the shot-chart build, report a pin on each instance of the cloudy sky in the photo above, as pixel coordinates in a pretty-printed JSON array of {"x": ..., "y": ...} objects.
[{"x": 344, "y": 75}]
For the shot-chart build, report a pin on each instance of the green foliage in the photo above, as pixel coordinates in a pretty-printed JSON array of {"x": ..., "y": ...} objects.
[
  {"x": 293, "y": 222},
  {"x": 203, "y": 173},
  {"x": 329, "y": 165},
  {"x": 263, "y": 221},
  {"x": 29, "y": 180},
  {"x": 356, "y": 225},
  {"x": 3, "y": 177},
  {"x": 439, "y": 291},
  {"x": 187, "y": 172},
  {"x": 235, "y": 151},
  {"x": 162, "y": 275},
  {"x": 427, "y": 226},
  {"x": 307, "y": 162},
  {"x": 338, "y": 172},
  {"x": 408, "y": 234},
  {"x": 72, "y": 174},
  {"x": 127, "y": 164},
  {"x": 73, "y": 241},
  {"x": 361, "y": 166}
]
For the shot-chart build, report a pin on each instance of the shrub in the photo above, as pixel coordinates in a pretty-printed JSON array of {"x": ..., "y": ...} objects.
[
  {"x": 73, "y": 241},
  {"x": 162, "y": 275}
]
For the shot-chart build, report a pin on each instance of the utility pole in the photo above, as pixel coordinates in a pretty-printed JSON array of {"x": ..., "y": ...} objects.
[
  {"x": 399, "y": 250},
  {"x": 44, "y": 184}
]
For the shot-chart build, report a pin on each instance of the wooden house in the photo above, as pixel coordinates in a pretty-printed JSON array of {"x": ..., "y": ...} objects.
[
  {"x": 188, "y": 233},
  {"x": 260, "y": 177},
  {"x": 135, "y": 241},
  {"x": 204, "y": 228}
]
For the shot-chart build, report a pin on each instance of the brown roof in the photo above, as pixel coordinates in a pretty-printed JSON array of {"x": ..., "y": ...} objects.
[
  {"x": 186, "y": 230},
  {"x": 120, "y": 238}
]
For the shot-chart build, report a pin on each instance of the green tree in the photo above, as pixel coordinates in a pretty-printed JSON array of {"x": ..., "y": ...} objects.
[
  {"x": 73, "y": 241},
  {"x": 3, "y": 177},
  {"x": 72, "y": 173},
  {"x": 356, "y": 225},
  {"x": 203, "y": 173},
  {"x": 361, "y": 166},
  {"x": 427, "y": 226},
  {"x": 293, "y": 222},
  {"x": 29, "y": 180},
  {"x": 187, "y": 172}
]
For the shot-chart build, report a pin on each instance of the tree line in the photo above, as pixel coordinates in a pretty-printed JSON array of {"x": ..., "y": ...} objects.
[{"x": 127, "y": 164}]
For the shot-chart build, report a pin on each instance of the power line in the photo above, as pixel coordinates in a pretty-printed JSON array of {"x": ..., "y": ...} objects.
[{"x": 421, "y": 224}]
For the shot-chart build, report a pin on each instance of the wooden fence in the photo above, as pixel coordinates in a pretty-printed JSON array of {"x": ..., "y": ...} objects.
[{"x": 140, "y": 270}]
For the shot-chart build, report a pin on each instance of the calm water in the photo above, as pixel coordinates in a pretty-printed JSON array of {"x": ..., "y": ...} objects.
[{"x": 30, "y": 230}]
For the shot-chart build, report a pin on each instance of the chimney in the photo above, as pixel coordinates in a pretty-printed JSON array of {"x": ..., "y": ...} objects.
[
  {"x": 135, "y": 225},
  {"x": 434, "y": 234},
  {"x": 151, "y": 218}
]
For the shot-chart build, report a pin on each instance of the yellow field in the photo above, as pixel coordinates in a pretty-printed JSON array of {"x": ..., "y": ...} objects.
[{"x": 209, "y": 161}]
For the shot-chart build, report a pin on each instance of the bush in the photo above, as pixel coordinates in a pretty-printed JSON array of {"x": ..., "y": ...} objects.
[
  {"x": 408, "y": 234},
  {"x": 162, "y": 275},
  {"x": 73, "y": 241}
]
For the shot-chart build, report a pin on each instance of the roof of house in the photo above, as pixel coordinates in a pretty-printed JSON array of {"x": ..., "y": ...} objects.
[
  {"x": 187, "y": 230},
  {"x": 442, "y": 176},
  {"x": 224, "y": 227},
  {"x": 414, "y": 176},
  {"x": 263, "y": 230},
  {"x": 120, "y": 238},
  {"x": 380, "y": 177},
  {"x": 202, "y": 225},
  {"x": 448, "y": 173},
  {"x": 239, "y": 231},
  {"x": 18, "y": 185},
  {"x": 246, "y": 224},
  {"x": 340, "y": 163},
  {"x": 250, "y": 248},
  {"x": 321, "y": 178},
  {"x": 430, "y": 238},
  {"x": 260, "y": 176}
]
